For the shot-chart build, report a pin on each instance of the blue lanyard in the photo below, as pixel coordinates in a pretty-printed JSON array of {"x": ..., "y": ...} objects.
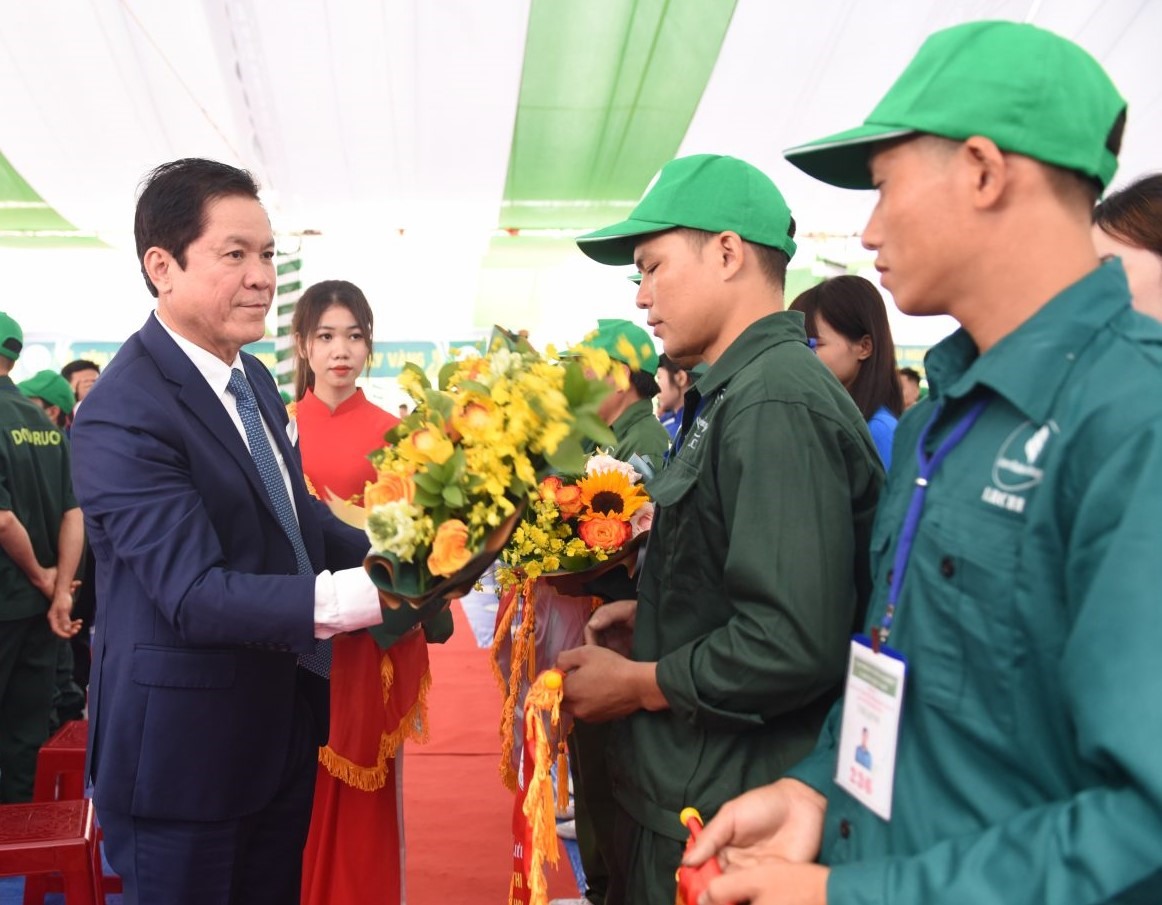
[{"x": 928, "y": 465}]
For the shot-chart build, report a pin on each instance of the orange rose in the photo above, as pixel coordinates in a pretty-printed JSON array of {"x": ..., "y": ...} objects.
[
  {"x": 450, "y": 552},
  {"x": 605, "y": 533},
  {"x": 548, "y": 488},
  {"x": 569, "y": 500},
  {"x": 388, "y": 488}
]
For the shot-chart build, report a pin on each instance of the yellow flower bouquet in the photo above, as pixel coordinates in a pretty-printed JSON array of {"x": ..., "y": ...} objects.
[{"x": 457, "y": 473}]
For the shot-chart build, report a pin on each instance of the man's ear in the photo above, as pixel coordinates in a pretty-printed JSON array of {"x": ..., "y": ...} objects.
[
  {"x": 987, "y": 168},
  {"x": 730, "y": 250},
  {"x": 158, "y": 264}
]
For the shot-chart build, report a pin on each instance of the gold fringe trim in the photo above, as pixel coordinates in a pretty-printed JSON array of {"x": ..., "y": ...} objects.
[
  {"x": 413, "y": 727},
  {"x": 542, "y": 701},
  {"x": 524, "y": 652},
  {"x": 498, "y": 640}
]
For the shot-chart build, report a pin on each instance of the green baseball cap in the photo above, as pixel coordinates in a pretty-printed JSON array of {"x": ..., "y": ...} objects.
[
  {"x": 11, "y": 337},
  {"x": 626, "y": 342},
  {"x": 1028, "y": 90},
  {"x": 704, "y": 191},
  {"x": 52, "y": 388}
]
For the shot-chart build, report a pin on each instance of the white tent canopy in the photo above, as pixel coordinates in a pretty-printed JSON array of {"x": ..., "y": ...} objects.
[{"x": 388, "y": 127}]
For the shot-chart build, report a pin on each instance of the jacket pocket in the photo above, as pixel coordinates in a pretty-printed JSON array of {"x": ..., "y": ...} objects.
[{"x": 172, "y": 667}]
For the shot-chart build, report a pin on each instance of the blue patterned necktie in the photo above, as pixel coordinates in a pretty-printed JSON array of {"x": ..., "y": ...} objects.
[{"x": 318, "y": 660}]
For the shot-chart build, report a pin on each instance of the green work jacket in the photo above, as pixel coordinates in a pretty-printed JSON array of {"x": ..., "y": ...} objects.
[
  {"x": 36, "y": 486},
  {"x": 638, "y": 431},
  {"x": 754, "y": 577},
  {"x": 1029, "y": 767}
]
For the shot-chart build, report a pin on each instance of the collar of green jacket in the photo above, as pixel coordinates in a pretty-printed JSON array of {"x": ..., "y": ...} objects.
[
  {"x": 632, "y": 415},
  {"x": 8, "y": 386},
  {"x": 1029, "y": 365},
  {"x": 780, "y": 327}
]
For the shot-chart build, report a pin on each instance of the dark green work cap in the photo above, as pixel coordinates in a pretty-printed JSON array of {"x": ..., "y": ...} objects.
[
  {"x": 705, "y": 191},
  {"x": 1028, "y": 90}
]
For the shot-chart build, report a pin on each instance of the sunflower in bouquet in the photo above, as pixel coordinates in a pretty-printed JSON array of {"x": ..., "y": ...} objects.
[
  {"x": 575, "y": 524},
  {"x": 457, "y": 473}
]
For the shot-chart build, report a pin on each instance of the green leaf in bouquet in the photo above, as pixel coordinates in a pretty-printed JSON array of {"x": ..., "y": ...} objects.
[
  {"x": 457, "y": 464},
  {"x": 428, "y": 483},
  {"x": 429, "y": 500},
  {"x": 446, "y": 372},
  {"x": 507, "y": 339},
  {"x": 439, "y": 404},
  {"x": 587, "y": 423},
  {"x": 576, "y": 387},
  {"x": 418, "y": 372},
  {"x": 569, "y": 457},
  {"x": 454, "y": 496},
  {"x": 474, "y": 386}
]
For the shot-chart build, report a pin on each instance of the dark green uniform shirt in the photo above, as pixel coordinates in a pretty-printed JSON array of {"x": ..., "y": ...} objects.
[
  {"x": 639, "y": 431},
  {"x": 36, "y": 486},
  {"x": 1029, "y": 767},
  {"x": 750, "y": 588}
]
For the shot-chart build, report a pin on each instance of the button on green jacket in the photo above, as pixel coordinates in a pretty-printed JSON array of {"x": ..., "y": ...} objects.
[
  {"x": 1029, "y": 767},
  {"x": 754, "y": 577}
]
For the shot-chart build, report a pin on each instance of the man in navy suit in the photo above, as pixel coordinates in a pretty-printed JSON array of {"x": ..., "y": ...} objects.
[{"x": 204, "y": 731}]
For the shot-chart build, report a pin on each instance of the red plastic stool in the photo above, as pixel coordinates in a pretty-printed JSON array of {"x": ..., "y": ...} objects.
[
  {"x": 60, "y": 775},
  {"x": 60, "y": 765},
  {"x": 50, "y": 837}
]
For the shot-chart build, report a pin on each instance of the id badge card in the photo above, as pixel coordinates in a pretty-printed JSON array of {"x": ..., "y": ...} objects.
[{"x": 873, "y": 702}]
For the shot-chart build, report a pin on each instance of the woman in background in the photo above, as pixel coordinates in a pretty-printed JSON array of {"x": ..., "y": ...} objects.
[
  {"x": 849, "y": 323},
  {"x": 1128, "y": 225},
  {"x": 354, "y": 852}
]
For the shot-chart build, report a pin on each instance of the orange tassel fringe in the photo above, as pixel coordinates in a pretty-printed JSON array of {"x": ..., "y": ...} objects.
[{"x": 543, "y": 706}]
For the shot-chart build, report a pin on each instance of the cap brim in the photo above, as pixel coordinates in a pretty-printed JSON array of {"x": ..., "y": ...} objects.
[
  {"x": 842, "y": 159},
  {"x": 615, "y": 244}
]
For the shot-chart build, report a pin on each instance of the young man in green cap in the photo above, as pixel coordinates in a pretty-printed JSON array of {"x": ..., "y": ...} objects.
[
  {"x": 1015, "y": 553},
  {"x": 630, "y": 412},
  {"x": 52, "y": 393},
  {"x": 755, "y": 574},
  {"x": 41, "y": 535},
  {"x": 630, "y": 415}
]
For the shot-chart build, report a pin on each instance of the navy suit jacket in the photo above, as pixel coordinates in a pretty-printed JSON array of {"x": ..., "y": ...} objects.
[{"x": 194, "y": 680}]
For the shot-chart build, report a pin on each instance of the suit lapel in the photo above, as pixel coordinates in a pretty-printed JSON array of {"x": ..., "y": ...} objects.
[{"x": 197, "y": 397}]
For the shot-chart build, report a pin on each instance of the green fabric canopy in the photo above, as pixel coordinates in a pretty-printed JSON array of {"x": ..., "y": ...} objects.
[
  {"x": 26, "y": 221},
  {"x": 607, "y": 93}
]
